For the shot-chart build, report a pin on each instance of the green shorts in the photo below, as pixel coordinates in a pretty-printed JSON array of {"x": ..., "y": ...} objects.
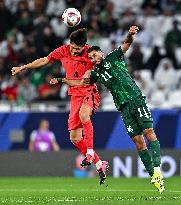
[{"x": 136, "y": 116}]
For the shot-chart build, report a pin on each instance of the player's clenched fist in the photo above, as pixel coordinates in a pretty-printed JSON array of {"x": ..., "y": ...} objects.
[
  {"x": 16, "y": 70},
  {"x": 53, "y": 81},
  {"x": 133, "y": 30}
]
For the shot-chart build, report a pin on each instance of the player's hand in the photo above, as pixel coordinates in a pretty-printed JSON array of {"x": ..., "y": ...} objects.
[
  {"x": 53, "y": 81},
  {"x": 133, "y": 30},
  {"x": 16, "y": 70}
]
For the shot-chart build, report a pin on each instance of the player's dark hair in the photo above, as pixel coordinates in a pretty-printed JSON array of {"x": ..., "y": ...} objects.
[
  {"x": 79, "y": 37},
  {"x": 93, "y": 48}
]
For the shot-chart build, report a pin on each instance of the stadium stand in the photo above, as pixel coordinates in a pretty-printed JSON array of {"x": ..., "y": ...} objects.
[{"x": 32, "y": 29}]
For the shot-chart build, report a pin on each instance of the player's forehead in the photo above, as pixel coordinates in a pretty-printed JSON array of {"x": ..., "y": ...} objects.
[
  {"x": 73, "y": 45},
  {"x": 92, "y": 53}
]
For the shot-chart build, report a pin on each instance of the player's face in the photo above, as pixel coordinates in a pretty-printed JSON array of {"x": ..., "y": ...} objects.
[
  {"x": 96, "y": 57},
  {"x": 75, "y": 50},
  {"x": 44, "y": 125}
]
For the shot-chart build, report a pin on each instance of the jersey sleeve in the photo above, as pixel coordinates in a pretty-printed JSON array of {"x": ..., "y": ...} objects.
[
  {"x": 57, "y": 54},
  {"x": 94, "y": 76}
]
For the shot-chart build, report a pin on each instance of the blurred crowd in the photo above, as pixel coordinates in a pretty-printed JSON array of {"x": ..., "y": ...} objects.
[{"x": 32, "y": 28}]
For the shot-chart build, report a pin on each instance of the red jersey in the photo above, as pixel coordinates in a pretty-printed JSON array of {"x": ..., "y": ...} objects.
[{"x": 75, "y": 67}]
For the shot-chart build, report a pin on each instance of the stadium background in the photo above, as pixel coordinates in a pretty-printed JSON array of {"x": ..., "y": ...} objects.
[{"x": 32, "y": 29}]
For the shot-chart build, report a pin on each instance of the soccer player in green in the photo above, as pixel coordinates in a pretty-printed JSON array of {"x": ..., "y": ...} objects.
[{"x": 129, "y": 100}]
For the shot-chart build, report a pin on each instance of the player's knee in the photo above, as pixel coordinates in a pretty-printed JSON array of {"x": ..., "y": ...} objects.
[
  {"x": 139, "y": 142},
  {"x": 150, "y": 134},
  {"x": 75, "y": 137},
  {"x": 140, "y": 145},
  {"x": 84, "y": 116},
  {"x": 74, "y": 141}
]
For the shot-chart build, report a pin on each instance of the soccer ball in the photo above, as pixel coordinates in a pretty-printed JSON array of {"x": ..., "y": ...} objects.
[{"x": 71, "y": 17}]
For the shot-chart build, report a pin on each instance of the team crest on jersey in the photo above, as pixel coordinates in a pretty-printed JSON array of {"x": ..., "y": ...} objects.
[
  {"x": 107, "y": 65},
  {"x": 129, "y": 128}
]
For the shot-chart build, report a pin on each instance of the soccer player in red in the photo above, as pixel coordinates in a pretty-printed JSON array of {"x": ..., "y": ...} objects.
[{"x": 84, "y": 100}]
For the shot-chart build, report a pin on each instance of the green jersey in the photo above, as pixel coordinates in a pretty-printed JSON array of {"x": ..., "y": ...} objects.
[{"x": 113, "y": 73}]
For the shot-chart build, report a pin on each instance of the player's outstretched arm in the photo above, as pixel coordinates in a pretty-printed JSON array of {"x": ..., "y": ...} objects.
[
  {"x": 84, "y": 82},
  {"x": 69, "y": 82},
  {"x": 129, "y": 39},
  {"x": 35, "y": 64}
]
